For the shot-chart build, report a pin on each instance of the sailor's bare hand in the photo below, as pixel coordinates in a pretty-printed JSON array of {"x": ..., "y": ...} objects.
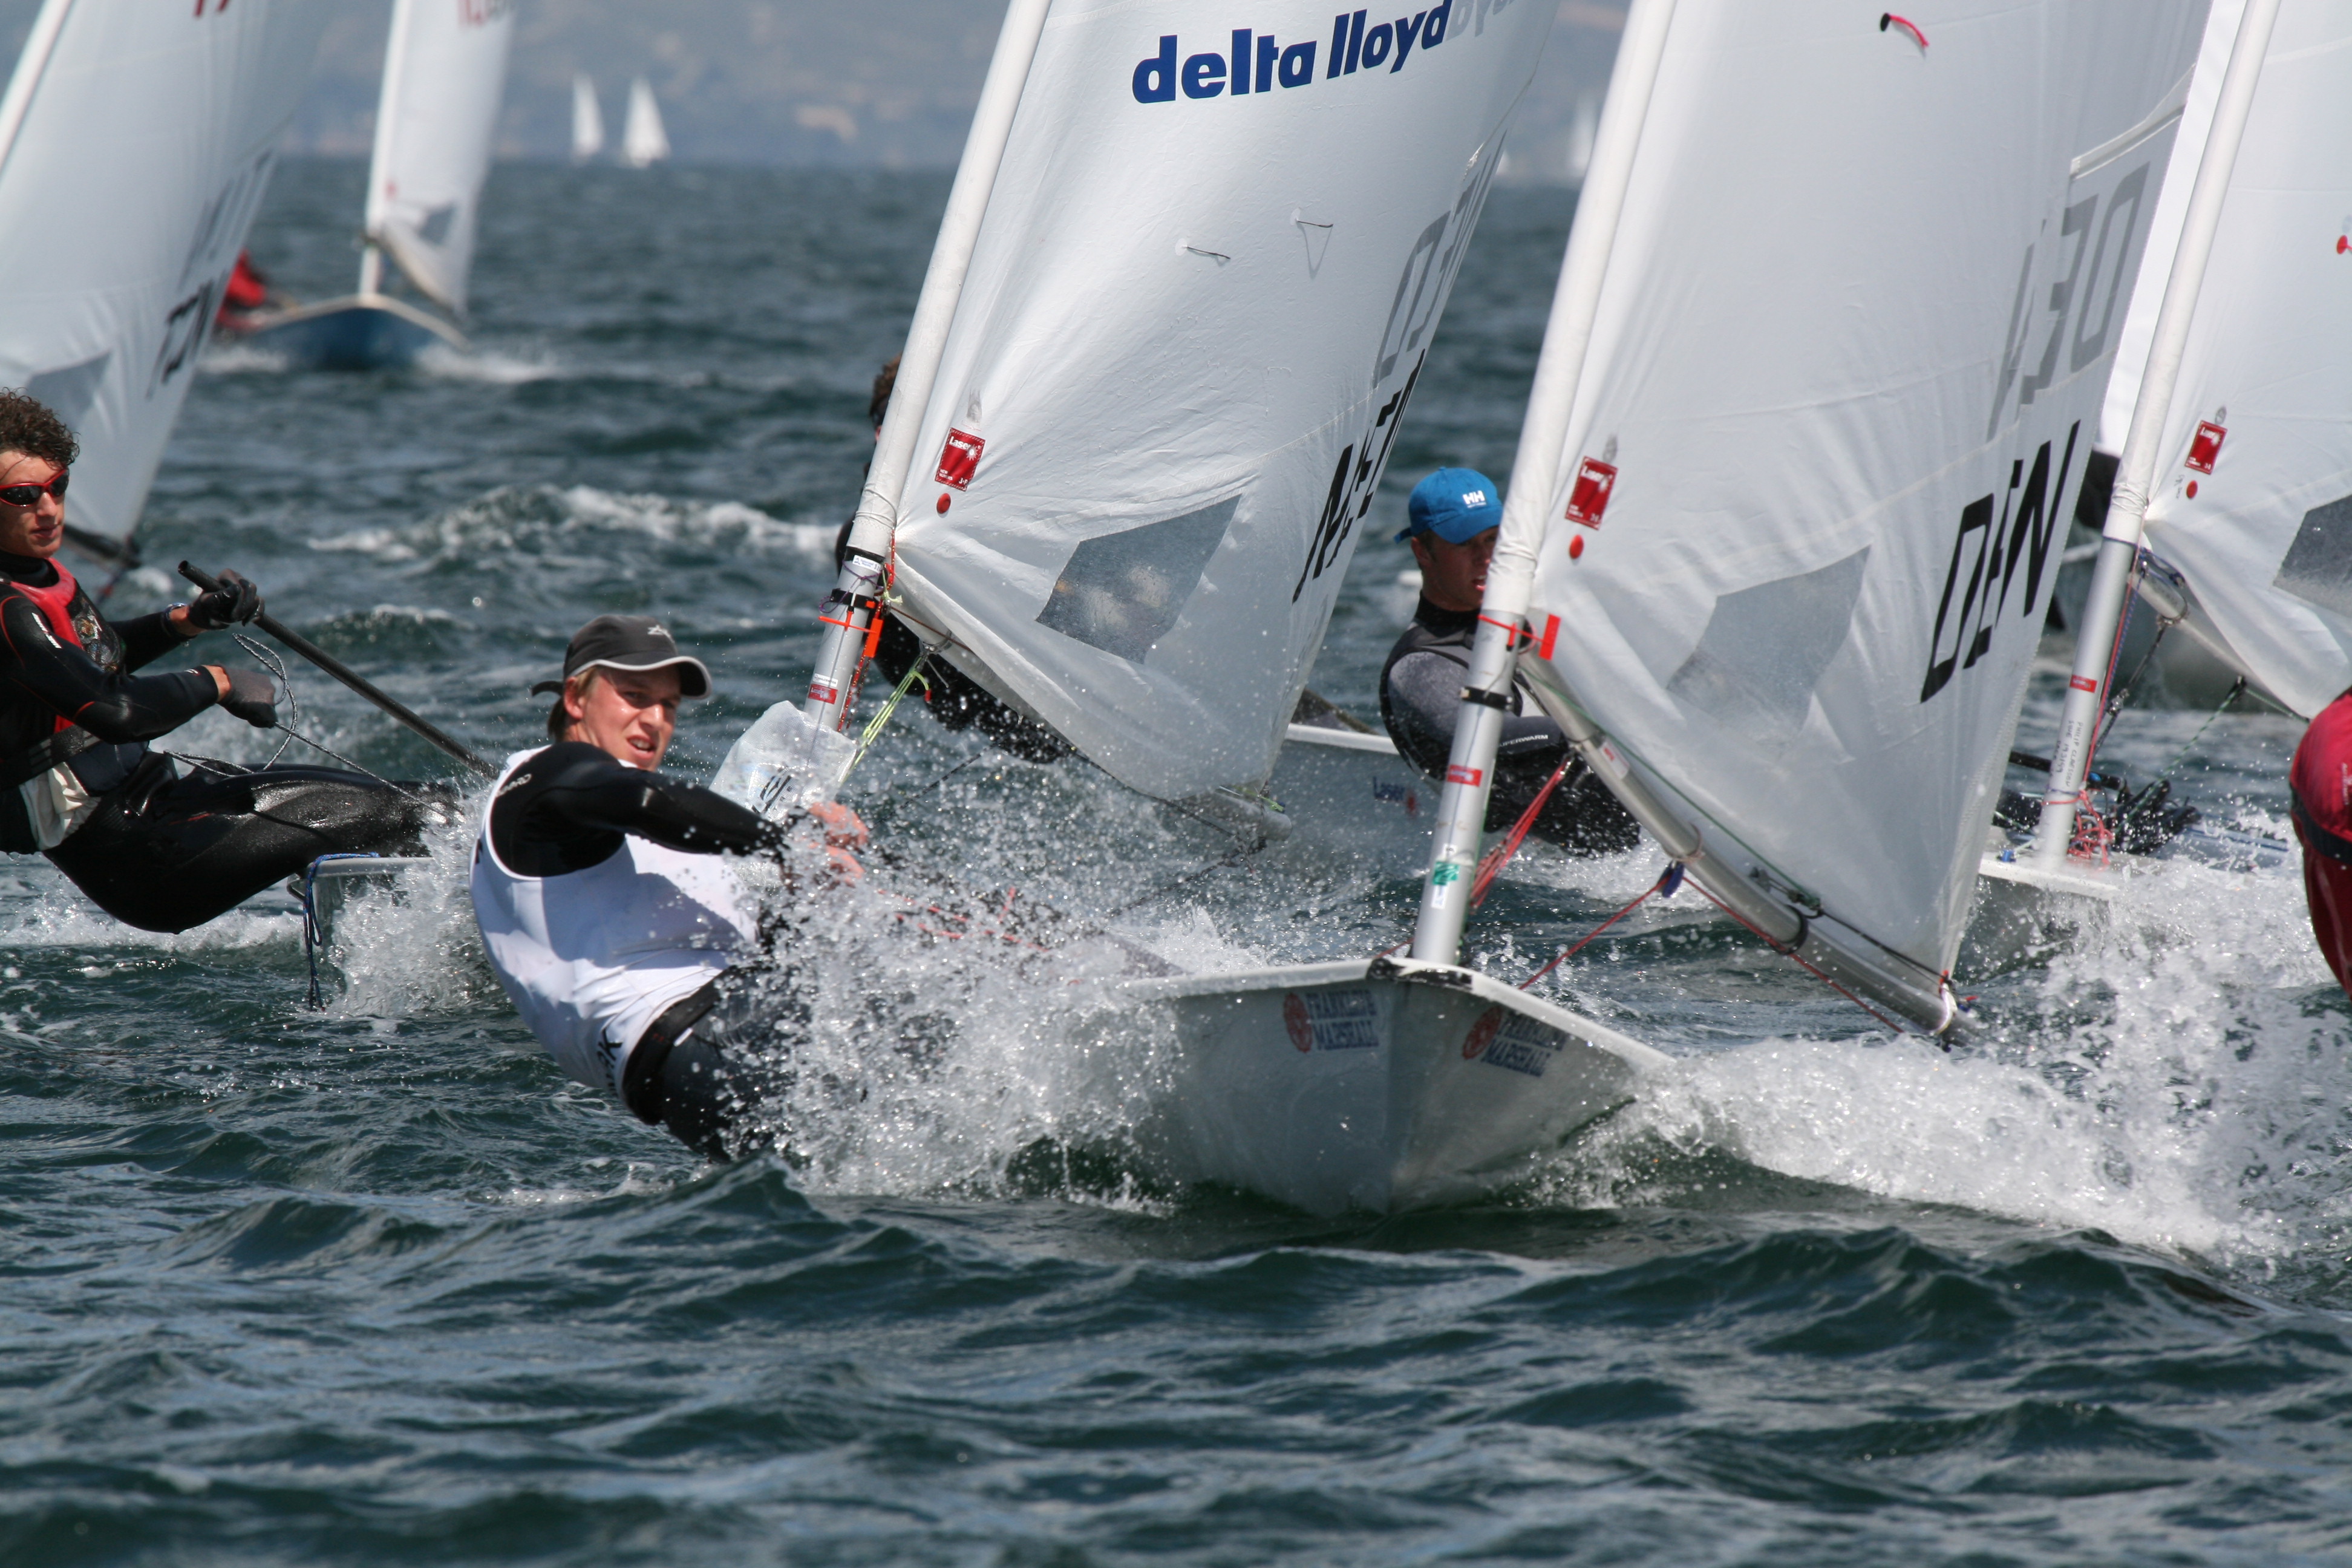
[
  {"x": 842, "y": 830},
  {"x": 842, "y": 868}
]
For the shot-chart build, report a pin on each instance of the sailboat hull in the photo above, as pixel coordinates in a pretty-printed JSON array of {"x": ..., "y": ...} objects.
[
  {"x": 359, "y": 332},
  {"x": 1380, "y": 1085}
]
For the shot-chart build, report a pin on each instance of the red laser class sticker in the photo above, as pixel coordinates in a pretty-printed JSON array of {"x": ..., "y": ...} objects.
[
  {"x": 1551, "y": 639},
  {"x": 1482, "y": 1034},
  {"x": 959, "y": 460},
  {"x": 1295, "y": 1019},
  {"x": 1594, "y": 482},
  {"x": 1456, "y": 774},
  {"x": 2206, "y": 447},
  {"x": 2084, "y": 683}
]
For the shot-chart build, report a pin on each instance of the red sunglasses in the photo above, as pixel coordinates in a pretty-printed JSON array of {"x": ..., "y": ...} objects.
[{"x": 30, "y": 495}]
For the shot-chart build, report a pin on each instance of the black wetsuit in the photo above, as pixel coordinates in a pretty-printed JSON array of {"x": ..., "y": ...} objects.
[
  {"x": 163, "y": 850},
  {"x": 1421, "y": 696},
  {"x": 707, "y": 1060}
]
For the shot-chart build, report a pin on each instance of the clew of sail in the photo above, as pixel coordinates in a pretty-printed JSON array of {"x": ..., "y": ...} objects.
[
  {"x": 444, "y": 72},
  {"x": 135, "y": 141},
  {"x": 1194, "y": 315},
  {"x": 2253, "y": 502},
  {"x": 1806, "y": 508}
]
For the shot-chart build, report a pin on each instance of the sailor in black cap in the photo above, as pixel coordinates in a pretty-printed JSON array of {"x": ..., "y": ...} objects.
[{"x": 622, "y": 937}]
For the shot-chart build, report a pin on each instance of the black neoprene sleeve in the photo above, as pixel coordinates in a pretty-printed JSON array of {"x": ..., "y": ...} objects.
[
  {"x": 568, "y": 807},
  {"x": 113, "y": 705}
]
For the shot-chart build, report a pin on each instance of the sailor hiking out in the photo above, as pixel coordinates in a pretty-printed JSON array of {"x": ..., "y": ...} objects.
[
  {"x": 625, "y": 942},
  {"x": 154, "y": 846},
  {"x": 1454, "y": 514}
]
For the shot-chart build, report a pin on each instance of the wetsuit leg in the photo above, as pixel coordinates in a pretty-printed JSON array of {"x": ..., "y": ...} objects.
[
  {"x": 718, "y": 1081},
  {"x": 170, "y": 849}
]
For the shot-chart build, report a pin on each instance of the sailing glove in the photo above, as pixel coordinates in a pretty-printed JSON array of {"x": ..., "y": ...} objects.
[
  {"x": 231, "y": 601},
  {"x": 252, "y": 697}
]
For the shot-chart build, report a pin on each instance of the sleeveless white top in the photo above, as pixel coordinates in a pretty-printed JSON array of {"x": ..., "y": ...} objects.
[{"x": 591, "y": 957}]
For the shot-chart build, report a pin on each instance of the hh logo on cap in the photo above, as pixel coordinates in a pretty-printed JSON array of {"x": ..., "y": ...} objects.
[{"x": 1473, "y": 497}]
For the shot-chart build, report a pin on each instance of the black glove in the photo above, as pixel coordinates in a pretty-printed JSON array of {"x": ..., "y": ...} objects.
[
  {"x": 252, "y": 697},
  {"x": 231, "y": 601}
]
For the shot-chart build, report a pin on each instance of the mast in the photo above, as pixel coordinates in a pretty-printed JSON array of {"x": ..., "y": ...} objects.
[
  {"x": 1469, "y": 774},
  {"x": 30, "y": 65},
  {"x": 2127, "y": 521},
  {"x": 855, "y": 599}
]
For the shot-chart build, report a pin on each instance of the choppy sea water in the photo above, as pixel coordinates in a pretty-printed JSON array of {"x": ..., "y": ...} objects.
[{"x": 378, "y": 1285}]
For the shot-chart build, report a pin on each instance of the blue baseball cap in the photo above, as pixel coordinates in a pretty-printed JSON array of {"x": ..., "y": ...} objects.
[{"x": 1455, "y": 504}]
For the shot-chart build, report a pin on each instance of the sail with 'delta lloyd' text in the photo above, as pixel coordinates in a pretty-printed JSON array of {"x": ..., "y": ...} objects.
[{"x": 1195, "y": 310}]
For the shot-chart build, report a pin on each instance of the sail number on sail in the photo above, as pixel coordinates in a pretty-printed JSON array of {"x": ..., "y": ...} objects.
[{"x": 2098, "y": 246}]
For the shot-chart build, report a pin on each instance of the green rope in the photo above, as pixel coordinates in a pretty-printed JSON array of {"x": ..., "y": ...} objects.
[{"x": 874, "y": 726}]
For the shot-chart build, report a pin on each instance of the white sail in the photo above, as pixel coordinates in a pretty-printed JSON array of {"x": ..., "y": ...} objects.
[
  {"x": 642, "y": 140},
  {"x": 2253, "y": 500},
  {"x": 1191, "y": 327},
  {"x": 135, "y": 141},
  {"x": 445, "y": 71},
  {"x": 587, "y": 119},
  {"x": 1840, "y": 387}
]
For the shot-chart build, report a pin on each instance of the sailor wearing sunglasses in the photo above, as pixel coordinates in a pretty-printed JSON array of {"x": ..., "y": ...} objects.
[{"x": 156, "y": 847}]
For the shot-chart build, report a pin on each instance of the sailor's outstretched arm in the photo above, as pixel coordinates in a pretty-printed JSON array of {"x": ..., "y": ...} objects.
[
  {"x": 112, "y": 705},
  {"x": 573, "y": 792}
]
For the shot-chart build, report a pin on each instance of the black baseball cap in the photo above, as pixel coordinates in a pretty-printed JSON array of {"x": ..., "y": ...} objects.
[{"x": 633, "y": 643}]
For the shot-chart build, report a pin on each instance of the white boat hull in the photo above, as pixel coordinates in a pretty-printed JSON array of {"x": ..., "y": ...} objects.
[
  {"x": 1351, "y": 794},
  {"x": 1377, "y": 1085}
]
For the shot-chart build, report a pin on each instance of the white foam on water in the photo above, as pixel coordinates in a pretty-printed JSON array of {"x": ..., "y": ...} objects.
[
  {"x": 480, "y": 365},
  {"x": 525, "y": 520},
  {"x": 2173, "y": 1078}
]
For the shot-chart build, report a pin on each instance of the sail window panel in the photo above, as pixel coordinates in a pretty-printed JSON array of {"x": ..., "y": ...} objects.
[
  {"x": 1766, "y": 648},
  {"x": 71, "y": 390},
  {"x": 2317, "y": 568},
  {"x": 1123, "y": 592}
]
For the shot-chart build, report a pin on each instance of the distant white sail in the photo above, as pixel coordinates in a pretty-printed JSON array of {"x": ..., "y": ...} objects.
[
  {"x": 642, "y": 140},
  {"x": 135, "y": 141},
  {"x": 587, "y": 119},
  {"x": 2253, "y": 502},
  {"x": 1189, "y": 331},
  {"x": 444, "y": 72},
  {"x": 1841, "y": 384},
  {"x": 1580, "y": 133}
]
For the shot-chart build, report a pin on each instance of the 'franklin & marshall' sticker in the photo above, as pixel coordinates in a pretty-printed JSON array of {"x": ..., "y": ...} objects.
[
  {"x": 1504, "y": 1039},
  {"x": 1331, "y": 1020}
]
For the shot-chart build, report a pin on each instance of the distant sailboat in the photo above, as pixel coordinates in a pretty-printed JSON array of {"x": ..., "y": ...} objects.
[
  {"x": 587, "y": 119},
  {"x": 1580, "y": 133},
  {"x": 642, "y": 140},
  {"x": 135, "y": 143},
  {"x": 444, "y": 74}
]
